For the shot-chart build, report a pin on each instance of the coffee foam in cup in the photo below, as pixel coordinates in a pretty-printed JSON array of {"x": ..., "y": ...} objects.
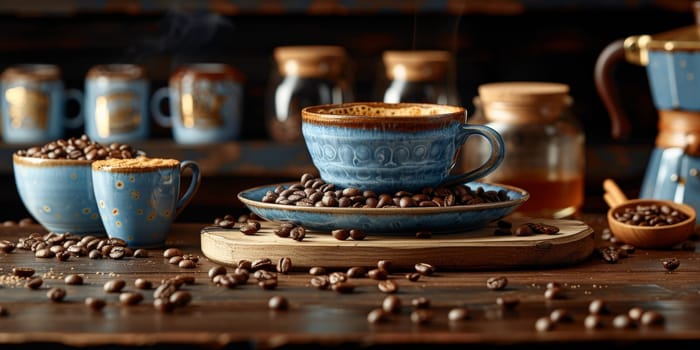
[{"x": 134, "y": 164}]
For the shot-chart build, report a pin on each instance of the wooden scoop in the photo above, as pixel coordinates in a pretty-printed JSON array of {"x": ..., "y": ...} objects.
[{"x": 654, "y": 237}]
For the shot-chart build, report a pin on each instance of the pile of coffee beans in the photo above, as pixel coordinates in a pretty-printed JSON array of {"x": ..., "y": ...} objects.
[
  {"x": 312, "y": 191},
  {"x": 63, "y": 246},
  {"x": 79, "y": 148},
  {"x": 650, "y": 215}
]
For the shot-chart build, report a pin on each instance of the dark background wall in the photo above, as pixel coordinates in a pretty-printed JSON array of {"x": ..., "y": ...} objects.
[{"x": 501, "y": 40}]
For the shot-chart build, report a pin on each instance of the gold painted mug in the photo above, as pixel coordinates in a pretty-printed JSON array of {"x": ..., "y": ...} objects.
[
  {"x": 205, "y": 102},
  {"x": 116, "y": 103},
  {"x": 34, "y": 104}
]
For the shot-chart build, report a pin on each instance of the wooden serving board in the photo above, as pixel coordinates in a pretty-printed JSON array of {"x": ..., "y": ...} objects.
[{"x": 474, "y": 250}]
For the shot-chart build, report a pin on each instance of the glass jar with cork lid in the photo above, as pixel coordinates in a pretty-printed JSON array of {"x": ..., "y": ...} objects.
[
  {"x": 304, "y": 76},
  {"x": 425, "y": 76},
  {"x": 544, "y": 144}
]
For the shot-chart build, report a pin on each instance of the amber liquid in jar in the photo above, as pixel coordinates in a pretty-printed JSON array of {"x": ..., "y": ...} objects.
[{"x": 555, "y": 198}]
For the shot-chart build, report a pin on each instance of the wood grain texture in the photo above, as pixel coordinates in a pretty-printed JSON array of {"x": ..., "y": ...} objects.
[{"x": 478, "y": 249}]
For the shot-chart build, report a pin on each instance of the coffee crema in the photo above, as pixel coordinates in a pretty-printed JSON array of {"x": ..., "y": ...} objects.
[{"x": 139, "y": 164}]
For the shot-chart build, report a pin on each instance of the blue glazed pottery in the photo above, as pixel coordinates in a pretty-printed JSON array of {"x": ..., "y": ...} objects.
[
  {"x": 58, "y": 194},
  {"x": 388, "y": 147}
]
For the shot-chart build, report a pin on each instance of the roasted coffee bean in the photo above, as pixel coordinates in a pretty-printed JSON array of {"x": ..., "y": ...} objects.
[
  {"x": 385, "y": 265},
  {"x": 635, "y": 313},
  {"x": 56, "y": 294},
  {"x": 538, "y": 227},
  {"x": 413, "y": 276},
  {"x": 216, "y": 270},
  {"x": 608, "y": 255},
  {"x": 171, "y": 252},
  {"x": 6, "y": 246},
  {"x": 114, "y": 286},
  {"x": 141, "y": 283},
  {"x": 187, "y": 264},
  {"x": 262, "y": 264},
  {"x": 140, "y": 253},
  {"x": 388, "y": 286},
  {"x": 320, "y": 282},
  {"x": 356, "y": 272},
  {"x": 4, "y": 311},
  {"x": 377, "y": 315},
  {"x": 62, "y": 255},
  {"x": 424, "y": 269},
  {"x": 544, "y": 324},
  {"x": 392, "y": 304},
  {"x": 23, "y": 271},
  {"x": 246, "y": 264},
  {"x": 130, "y": 298},
  {"x": 250, "y": 228},
  {"x": 163, "y": 305},
  {"x": 268, "y": 284},
  {"x": 554, "y": 293},
  {"x": 507, "y": 302},
  {"x": 340, "y": 234},
  {"x": 523, "y": 230},
  {"x": 650, "y": 215},
  {"x": 421, "y": 316},
  {"x": 420, "y": 303},
  {"x": 593, "y": 321},
  {"x": 561, "y": 315},
  {"x": 598, "y": 307},
  {"x": 180, "y": 298},
  {"x": 95, "y": 304},
  {"x": 284, "y": 265},
  {"x": 117, "y": 253},
  {"x": 357, "y": 235},
  {"x": 298, "y": 233},
  {"x": 497, "y": 282},
  {"x": 337, "y": 277},
  {"x": 262, "y": 275},
  {"x": 80, "y": 148},
  {"x": 73, "y": 280},
  {"x": 670, "y": 264},
  {"x": 458, "y": 314},
  {"x": 278, "y": 303},
  {"x": 34, "y": 283},
  {"x": 377, "y": 274},
  {"x": 623, "y": 321},
  {"x": 651, "y": 318},
  {"x": 343, "y": 287},
  {"x": 317, "y": 270}
]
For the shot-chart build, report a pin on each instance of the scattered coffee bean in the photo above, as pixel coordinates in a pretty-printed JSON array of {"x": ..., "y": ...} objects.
[
  {"x": 593, "y": 321},
  {"x": 163, "y": 305},
  {"x": 268, "y": 284},
  {"x": 6, "y": 246},
  {"x": 171, "y": 252},
  {"x": 140, "y": 253},
  {"x": 424, "y": 269},
  {"x": 343, "y": 287},
  {"x": 34, "y": 283},
  {"x": 114, "y": 286},
  {"x": 544, "y": 324},
  {"x": 635, "y": 313},
  {"x": 320, "y": 282},
  {"x": 4, "y": 311},
  {"x": 377, "y": 315},
  {"x": 284, "y": 265},
  {"x": 651, "y": 318},
  {"x": 356, "y": 272},
  {"x": 497, "y": 283},
  {"x": 250, "y": 228},
  {"x": 623, "y": 321},
  {"x": 392, "y": 304},
  {"x": 421, "y": 316},
  {"x": 458, "y": 314},
  {"x": 24, "y": 272},
  {"x": 377, "y": 274},
  {"x": 216, "y": 270},
  {"x": 95, "y": 303},
  {"x": 130, "y": 298},
  {"x": 420, "y": 303},
  {"x": 561, "y": 315},
  {"x": 507, "y": 302},
  {"x": 523, "y": 230},
  {"x": 598, "y": 307},
  {"x": 413, "y": 276},
  {"x": 180, "y": 298},
  {"x": 554, "y": 293},
  {"x": 298, "y": 233},
  {"x": 56, "y": 294},
  {"x": 388, "y": 286},
  {"x": 278, "y": 302},
  {"x": 317, "y": 270},
  {"x": 73, "y": 280},
  {"x": 142, "y": 283},
  {"x": 340, "y": 234},
  {"x": 670, "y": 264},
  {"x": 357, "y": 235},
  {"x": 385, "y": 265}
]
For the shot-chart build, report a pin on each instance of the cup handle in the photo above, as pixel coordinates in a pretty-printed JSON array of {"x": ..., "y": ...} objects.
[
  {"x": 192, "y": 189},
  {"x": 160, "y": 118},
  {"x": 497, "y": 154},
  {"x": 77, "y": 120}
]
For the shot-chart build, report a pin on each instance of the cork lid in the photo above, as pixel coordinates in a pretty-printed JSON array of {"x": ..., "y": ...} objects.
[
  {"x": 524, "y": 101},
  {"x": 416, "y": 65},
  {"x": 117, "y": 71},
  {"x": 310, "y": 60},
  {"x": 206, "y": 70},
  {"x": 32, "y": 72}
]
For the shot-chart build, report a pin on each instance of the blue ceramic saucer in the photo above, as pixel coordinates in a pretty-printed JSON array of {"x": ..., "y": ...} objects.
[{"x": 388, "y": 220}]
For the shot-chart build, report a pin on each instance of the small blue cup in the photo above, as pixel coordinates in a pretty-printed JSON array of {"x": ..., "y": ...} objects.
[
  {"x": 138, "y": 199},
  {"x": 390, "y": 147}
]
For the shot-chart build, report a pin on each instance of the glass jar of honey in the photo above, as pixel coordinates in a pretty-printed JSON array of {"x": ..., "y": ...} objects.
[
  {"x": 425, "y": 76},
  {"x": 544, "y": 145}
]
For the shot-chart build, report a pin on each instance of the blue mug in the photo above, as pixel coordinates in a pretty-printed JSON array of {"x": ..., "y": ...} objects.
[
  {"x": 390, "y": 147},
  {"x": 206, "y": 102},
  {"x": 116, "y": 103},
  {"x": 34, "y": 104}
]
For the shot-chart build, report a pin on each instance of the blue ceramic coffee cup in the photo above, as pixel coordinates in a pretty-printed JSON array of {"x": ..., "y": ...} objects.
[
  {"x": 138, "y": 199},
  {"x": 389, "y": 147}
]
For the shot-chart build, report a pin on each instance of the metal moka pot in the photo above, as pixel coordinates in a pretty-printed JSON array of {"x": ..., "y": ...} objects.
[{"x": 672, "y": 62}]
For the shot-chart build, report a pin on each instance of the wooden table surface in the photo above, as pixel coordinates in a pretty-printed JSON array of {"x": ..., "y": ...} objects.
[{"x": 220, "y": 317}]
